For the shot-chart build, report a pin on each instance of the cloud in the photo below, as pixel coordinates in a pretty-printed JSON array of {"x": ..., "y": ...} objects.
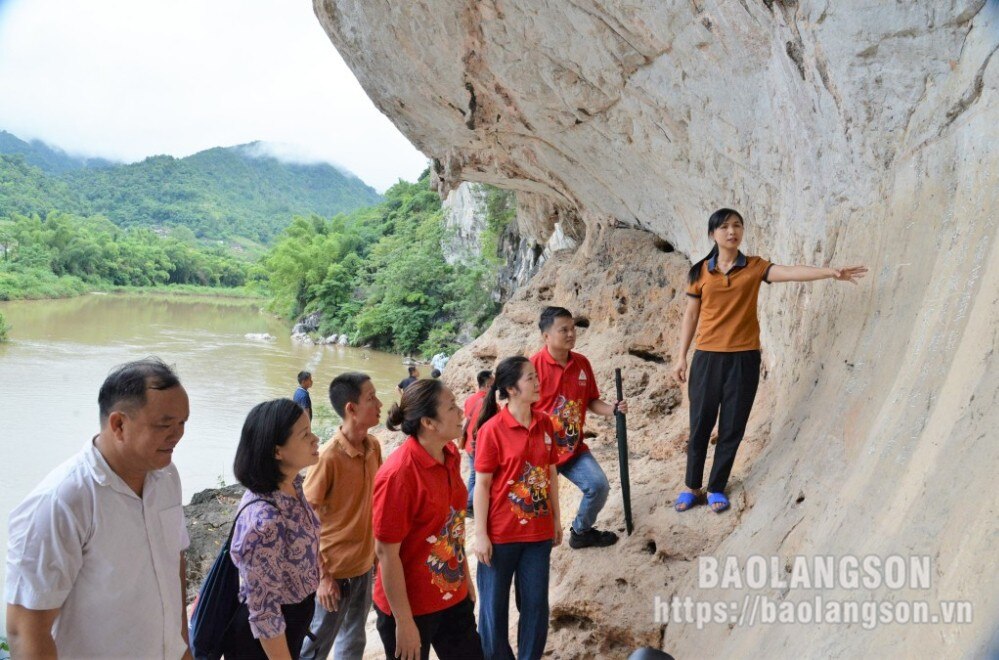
[
  {"x": 290, "y": 153},
  {"x": 124, "y": 80}
]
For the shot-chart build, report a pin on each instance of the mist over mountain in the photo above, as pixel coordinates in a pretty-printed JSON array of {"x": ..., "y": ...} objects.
[
  {"x": 223, "y": 192},
  {"x": 47, "y": 158}
]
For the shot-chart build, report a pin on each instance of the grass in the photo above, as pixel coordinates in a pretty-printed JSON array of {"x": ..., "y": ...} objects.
[
  {"x": 191, "y": 292},
  {"x": 37, "y": 284}
]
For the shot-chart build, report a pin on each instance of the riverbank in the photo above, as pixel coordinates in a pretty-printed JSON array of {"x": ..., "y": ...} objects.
[{"x": 44, "y": 285}]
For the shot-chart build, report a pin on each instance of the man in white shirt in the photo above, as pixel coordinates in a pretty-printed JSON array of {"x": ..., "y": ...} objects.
[{"x": 95, "y": 565}]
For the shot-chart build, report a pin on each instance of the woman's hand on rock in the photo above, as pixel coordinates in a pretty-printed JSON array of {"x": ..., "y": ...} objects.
[{"x": 849, "y": 274}]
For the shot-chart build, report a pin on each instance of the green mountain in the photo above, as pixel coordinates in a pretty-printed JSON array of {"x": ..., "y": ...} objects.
[
  {"x": 25, "y": 189},
  {"x": 219, "y": 193},
  {"x": 46, "y": 158}
]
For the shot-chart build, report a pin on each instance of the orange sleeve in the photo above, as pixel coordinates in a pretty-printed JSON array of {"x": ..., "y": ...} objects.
[
  {"x": 694, "y": 290},
  {"x": 319, "y": 481},
  {"x": 764, "y": 268}
]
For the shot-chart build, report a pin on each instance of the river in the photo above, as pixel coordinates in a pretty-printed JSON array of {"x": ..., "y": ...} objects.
[{"x": 61, "y": 350}]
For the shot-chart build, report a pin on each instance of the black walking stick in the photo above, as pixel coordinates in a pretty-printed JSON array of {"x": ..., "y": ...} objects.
[{"x": 622, "y": 454}]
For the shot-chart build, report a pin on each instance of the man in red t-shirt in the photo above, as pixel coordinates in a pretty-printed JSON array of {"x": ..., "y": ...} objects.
[
  {"x": 568, "y": 391},
  {"x": 473, "y": 406}
]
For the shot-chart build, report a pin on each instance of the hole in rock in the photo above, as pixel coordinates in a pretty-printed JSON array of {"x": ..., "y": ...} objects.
[
  {"x": 648, "y": 356},
  {"x": 564, "y": 619},
  {"x": 650, "y": 547},
  {"x": 582, "y": 322},
  {"x": 662, "y": 244}
]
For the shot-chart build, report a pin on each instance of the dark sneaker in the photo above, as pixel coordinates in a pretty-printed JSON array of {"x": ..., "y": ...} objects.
[{"x": 591, "y": 538}]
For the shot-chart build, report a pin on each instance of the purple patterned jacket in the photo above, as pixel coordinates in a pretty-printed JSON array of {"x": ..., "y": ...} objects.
[{"x": 276, "y": 552}]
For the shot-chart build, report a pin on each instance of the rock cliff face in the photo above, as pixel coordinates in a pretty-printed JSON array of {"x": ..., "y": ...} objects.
[
  {"x": 857, "y": 132},
  {"x": 539, "y": 229}
]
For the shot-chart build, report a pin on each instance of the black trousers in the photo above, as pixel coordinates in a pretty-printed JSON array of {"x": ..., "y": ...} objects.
[
  {"x": 721, "y": 387},
  {"x": 239, "y": 643},
  {"x": 451, "y": 632}
]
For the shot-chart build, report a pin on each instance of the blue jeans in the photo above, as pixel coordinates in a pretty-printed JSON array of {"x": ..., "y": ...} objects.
[
  {"x": 528, "y": 563},
  {"x": 345, "y": 626},
  {"x": 589, "y": 477},
  {"x": 471, "y": 480}
]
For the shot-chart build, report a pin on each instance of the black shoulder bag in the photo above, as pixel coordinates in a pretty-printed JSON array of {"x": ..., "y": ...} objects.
[{"x": 218, "y": 601}]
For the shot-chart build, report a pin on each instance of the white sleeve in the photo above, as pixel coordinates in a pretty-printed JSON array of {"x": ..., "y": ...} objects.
[
  {"x": 183, "y": 538},
  {"x": 44, "y": 552}
]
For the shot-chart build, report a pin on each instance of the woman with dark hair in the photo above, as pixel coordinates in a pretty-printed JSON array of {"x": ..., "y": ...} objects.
[
  {"x": 518, "y": 511},
  {"x": 423, "y": 595},
  {"x": 722, "y": 293},
  {"x": 275, "y": 543}
]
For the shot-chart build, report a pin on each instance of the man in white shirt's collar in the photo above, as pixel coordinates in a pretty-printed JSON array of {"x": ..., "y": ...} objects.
[{"x": 95, "y": 563}]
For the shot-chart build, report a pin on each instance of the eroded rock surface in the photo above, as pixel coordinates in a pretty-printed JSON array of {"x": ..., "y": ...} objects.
[{"x": 858, "y": 132}]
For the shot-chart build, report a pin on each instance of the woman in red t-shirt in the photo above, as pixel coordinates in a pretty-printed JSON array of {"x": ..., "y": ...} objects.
[
  {"x": 423, "y": 595},
  {"x": 516, "y": 502}
]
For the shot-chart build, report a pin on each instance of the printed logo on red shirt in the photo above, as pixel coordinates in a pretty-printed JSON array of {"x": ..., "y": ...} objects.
[
  {"x": 529, "y": 494},
  {"x": 447, "y": 555},
  {"x": 582, "y": 379},
  {"x": 567, "y": 419}
]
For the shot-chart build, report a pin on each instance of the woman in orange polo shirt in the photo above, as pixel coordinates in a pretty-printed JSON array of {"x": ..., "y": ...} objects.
[
  {"x": 722, "y": 297},
  {"x": 516, "y": 502},
  {"x": 423, "y": 595}
]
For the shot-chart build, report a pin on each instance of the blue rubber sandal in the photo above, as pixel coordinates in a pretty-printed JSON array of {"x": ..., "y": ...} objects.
[
  {"x": 687, "y": 499},
  {"x": 718, "y": 498}
]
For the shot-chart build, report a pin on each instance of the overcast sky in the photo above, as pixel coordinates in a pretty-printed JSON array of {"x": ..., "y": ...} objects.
[{"x": 126, "y": 79}]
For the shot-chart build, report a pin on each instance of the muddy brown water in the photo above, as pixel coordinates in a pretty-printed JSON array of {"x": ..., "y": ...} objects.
[{"x": 61, "y": 350}]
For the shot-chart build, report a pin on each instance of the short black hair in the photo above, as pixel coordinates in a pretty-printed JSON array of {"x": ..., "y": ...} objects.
[
  {"x": 127, "y": 384},
  {"x": 483, "y": 377},
  {"x": 549, "y": 314},
  {"x": 412, "y": 370},
  {"x": 346, "y": 388},
  {"x": 436, "y": 373},
  {"x": 304, "y": 376},
  {"x": 267, "y": 426}
]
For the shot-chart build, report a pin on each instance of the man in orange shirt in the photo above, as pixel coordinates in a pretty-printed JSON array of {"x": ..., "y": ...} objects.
[
  {"x": 340, "y": 488},
  {"x": 473, "y": 404}
]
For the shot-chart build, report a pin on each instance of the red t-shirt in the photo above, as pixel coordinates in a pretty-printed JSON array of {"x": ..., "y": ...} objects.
[
  {"x": 519, "y": 459},
  {"x": 420, "y": 503},
  {"x": 473, "y": 406},
  {"x": 566, "y": 393}
]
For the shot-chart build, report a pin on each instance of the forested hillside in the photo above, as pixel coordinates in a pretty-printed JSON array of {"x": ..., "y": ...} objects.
[
  {"x": 220, "y": 193},
  {"x": 45, "y": 157},
  {"x": 319, "y": 239},
  {"x": 379, "y": 274}
]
